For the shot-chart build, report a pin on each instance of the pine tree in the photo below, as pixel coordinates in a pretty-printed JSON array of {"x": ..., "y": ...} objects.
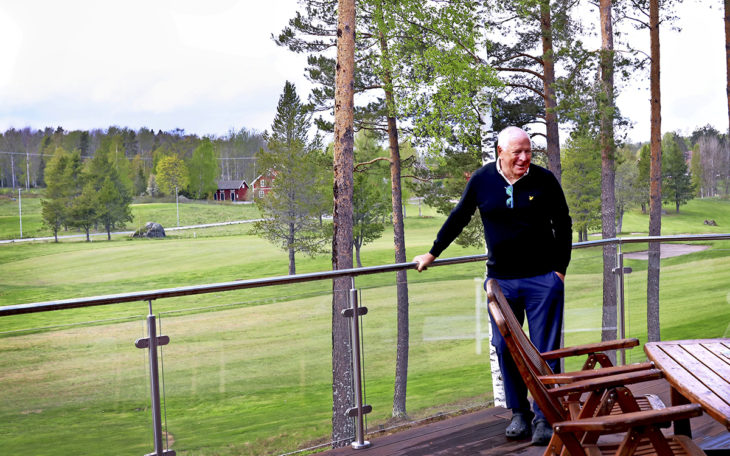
[
  {"x": 54, "y": 204},
  {"x": 292, "y": 209},
  {"x": 84, "y": 210},
  {"x": 644, "y": 169},
  {"x": 581, "y": 183},
  {"x": 677, "y": 185},
  {"x": 113, "y": 205},
  {"x": 108, "y": 174},
  {"x": 628, "y": 186}
]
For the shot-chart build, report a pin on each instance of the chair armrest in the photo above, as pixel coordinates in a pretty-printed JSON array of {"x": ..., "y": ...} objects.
[
  {"x": 575, "y": 376},
  {"x": 590, "y": 348},
  {"x": 610, "y": 381},
  {"x": 624, "y": 422}
]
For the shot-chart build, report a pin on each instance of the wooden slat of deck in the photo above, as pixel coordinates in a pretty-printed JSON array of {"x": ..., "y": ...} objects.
[
  {"x": 477, "y": 433},
  {"x": 482, "y": 433}
]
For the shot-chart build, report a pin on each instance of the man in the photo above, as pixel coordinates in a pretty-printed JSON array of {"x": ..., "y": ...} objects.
[{"x": 528, "y": 232}]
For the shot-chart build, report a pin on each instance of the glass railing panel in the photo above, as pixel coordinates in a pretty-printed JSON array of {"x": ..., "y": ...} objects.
[
  {"x": 78, "y": 389},
  {"x": 249, "y": 376},
  {"x": 634, "y": 280},
  {"x": 694, "y": 297},
  {"x": 448, "y": 356},
  {"x": 583, "y": 314},
  {"x": 694, "y": 283}
]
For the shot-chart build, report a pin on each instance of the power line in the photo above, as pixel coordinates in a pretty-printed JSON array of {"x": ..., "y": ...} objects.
[{"x": 91, "y": 156}]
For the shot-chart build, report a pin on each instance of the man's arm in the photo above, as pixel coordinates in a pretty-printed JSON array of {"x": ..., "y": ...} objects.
[
  {"x": 452, "y": 227},
  {"x": 563, "y": 229}
]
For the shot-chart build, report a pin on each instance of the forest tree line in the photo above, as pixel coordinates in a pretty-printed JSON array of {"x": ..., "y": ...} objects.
[{"x": 24, "y": 153}]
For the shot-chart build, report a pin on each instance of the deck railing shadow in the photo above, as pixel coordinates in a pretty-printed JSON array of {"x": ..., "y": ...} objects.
[{"x": 245, "y": 371}]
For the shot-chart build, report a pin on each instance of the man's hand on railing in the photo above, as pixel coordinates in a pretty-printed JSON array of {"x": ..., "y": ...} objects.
[{"x": 423, "y": 261}]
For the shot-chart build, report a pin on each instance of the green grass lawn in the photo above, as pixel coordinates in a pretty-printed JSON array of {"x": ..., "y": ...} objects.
[
  {"x": 191, "y": 213},
  {"x": 249, "y": 372}
]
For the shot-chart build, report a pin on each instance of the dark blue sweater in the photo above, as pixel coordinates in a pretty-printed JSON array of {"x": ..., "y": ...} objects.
[{"x": 532, "y": 238}]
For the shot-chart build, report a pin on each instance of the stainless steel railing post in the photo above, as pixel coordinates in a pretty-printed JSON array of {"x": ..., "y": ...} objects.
[
  {"x": 152, "y": 342},
  {"x": 359, "y": 410},
  {"x": 621, "y": 271}
]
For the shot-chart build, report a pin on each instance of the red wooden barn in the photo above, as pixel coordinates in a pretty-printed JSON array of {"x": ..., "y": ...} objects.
[{"x": 231, "y": 190}]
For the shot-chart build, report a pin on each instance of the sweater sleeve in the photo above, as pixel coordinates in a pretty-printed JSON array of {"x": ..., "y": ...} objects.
[
  {"x": 459, "y": 217},
  {"x": 562, "y": 227}
]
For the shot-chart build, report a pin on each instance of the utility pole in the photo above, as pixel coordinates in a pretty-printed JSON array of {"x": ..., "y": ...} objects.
[
  {"x": 20, "y": 214},
  {"x": 27, "y": 170},
  {"x": 177, "y": 207},
  {"x": 12, "y": 169}
]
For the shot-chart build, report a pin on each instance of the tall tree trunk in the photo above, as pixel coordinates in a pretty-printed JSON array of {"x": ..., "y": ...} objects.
[
  {"x": 551, "y": 116},
  {"x": 292, "y": 262},
  {"x": 608, "y": 173},
  {"x": 401, "y": 361},
  {"x": 727, "y": 57},
  {"x": 342, "y": 375},
  {"x": 655, "y": 189}
]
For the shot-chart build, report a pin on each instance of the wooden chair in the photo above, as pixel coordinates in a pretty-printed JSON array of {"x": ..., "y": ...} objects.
[
  {"x": 537, "y": 361},
  {"x": 579, "y": 435}
]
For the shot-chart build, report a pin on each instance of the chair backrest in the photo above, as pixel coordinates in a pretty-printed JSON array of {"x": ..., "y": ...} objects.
[
  {"x": 514, "y": 337},
  {"x": 536, "y": 361}
]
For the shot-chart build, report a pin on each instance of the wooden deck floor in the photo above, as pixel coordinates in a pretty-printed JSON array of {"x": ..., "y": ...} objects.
[{"x": 482, "y": 433}]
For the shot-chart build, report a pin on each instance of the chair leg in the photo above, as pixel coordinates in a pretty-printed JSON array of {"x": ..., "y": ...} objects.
[{"x": 626, "y": 400}]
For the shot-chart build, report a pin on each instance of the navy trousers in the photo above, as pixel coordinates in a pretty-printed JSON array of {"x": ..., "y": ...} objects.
[{"x": 541, "y": 298}]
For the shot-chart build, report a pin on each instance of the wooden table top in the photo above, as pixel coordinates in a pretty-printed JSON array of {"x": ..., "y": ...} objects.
[{"x": 699, "y": 370}]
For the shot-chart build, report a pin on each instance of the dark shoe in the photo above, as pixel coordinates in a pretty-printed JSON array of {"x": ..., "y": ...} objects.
[
  {"x": 542, "y": 433},
  {"x": 519, "y": 427}
]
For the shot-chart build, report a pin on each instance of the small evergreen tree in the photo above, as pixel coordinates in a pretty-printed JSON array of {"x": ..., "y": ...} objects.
[
  {"x": 676, "y": 181},
  {"x": 644, "y": 167},
  {"x": 628, "y": 192},
  {"x": 292, "y": 208},
  {"x": 53, "y": 205},
  {"x": 84, "y": 210},
  {"x": 113, "y": 205},
  {"x": 582, "y": 183}
]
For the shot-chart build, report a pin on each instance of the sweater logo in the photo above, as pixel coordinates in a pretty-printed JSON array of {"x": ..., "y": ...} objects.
[{"x": 531, "y": 197}]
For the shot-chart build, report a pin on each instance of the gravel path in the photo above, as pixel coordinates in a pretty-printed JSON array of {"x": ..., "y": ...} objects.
[{"x": 669, "y": 250}]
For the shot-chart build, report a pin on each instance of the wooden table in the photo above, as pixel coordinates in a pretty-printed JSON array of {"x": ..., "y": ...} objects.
[{"x": 698, "y": 371}]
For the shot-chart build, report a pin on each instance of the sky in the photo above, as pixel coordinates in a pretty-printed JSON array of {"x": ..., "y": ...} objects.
[{"x": 211, "y": 66}]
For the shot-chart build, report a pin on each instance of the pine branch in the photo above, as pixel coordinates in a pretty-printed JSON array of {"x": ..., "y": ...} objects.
[
  {"x": 521, "y": 70},
  {"x": 363, "y": 165}
]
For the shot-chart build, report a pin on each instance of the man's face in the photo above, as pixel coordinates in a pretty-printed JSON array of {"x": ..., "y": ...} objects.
[{"x": 515, "y": 157}]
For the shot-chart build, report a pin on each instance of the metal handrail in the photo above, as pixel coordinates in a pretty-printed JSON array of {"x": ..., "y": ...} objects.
[
  {"x": 222, "y": 286},
  {"x": 309, "y": 277},
  {"x": 642, "y": 239}
]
